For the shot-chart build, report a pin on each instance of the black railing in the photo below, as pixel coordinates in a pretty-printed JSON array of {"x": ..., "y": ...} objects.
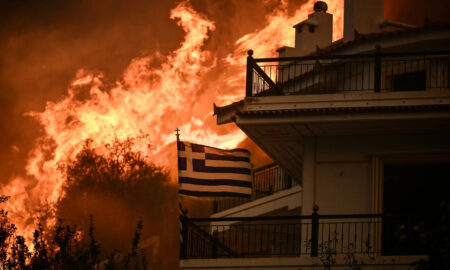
[
  {"x": 266, "y": 181},
  {"x": 228, "y": 203},
  {"x": 270, "y": 179},
  {"x": 198, "y": 243},
  {"x": 314, "y": 235},
  {"x": 339, "y": 73},
  {"x": 281, "y": 236}
]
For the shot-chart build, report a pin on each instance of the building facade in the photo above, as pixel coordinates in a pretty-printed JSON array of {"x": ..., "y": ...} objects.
[{"x": 362, "y": 127}]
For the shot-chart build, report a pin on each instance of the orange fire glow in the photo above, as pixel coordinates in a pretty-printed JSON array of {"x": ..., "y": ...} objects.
[
  {"x": 264, "y": 42},
  {"x": 156, "y": 94}
]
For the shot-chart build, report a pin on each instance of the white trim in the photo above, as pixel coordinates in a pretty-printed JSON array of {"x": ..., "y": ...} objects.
[
  {"x": 348, "y": 100},
  {"x": 224, "y": 188},
  {"x": 290, "y": 198},
  {"x": 383, "y": 116}
]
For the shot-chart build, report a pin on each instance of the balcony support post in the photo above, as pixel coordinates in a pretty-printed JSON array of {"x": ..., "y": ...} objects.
[
  {"x": 249, "y": 78},
  {"x": 214, "y": 244},
  {"x": 215, "y": 206},
  {"x": 377, "y": 70},
  {"x": 184, "y": 234},
  {"x": 315, "y": 232}
]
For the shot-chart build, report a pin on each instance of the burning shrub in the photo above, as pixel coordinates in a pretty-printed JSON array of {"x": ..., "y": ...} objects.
[
  {"x": 65, "y": 250},
  {"x": 118, "y": 186}
]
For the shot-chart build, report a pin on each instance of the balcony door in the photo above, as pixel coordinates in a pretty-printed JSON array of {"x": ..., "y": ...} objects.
[{"x": 412, "y": 195}]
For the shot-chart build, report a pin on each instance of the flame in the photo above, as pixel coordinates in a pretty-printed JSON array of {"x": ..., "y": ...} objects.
[
  {"x": 156, "y": 94},
  {"x": 265, "y": 41}
]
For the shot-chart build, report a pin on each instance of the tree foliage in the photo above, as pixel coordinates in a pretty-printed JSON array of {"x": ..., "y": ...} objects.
[
  {"x": 116, "y": 186},
  {"x": 65, "y": 250}
]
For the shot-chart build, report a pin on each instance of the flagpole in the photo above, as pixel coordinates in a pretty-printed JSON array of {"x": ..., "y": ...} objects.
[
  {"x": 182, "y": 217},
  {"x": 177, "y": 134}
]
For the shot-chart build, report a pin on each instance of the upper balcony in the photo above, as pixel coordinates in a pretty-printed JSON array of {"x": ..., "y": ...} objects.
[
  {"x": 381, "y": 92},
  {"x": 331, "y": 74}
]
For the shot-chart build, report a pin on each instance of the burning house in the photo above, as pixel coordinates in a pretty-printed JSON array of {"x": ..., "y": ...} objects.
[{"x": 359, "y": 129}]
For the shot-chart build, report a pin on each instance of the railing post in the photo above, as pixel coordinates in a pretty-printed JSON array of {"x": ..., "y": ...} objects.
[
  {"x": 377, "y": 75},
  {"x": 184, "y": 234},
  {"x": 215, "y": 206},
  {"x": 315, "y": 232},
  {"x": 214, "y": 244},
  {"x": 249, "y": 79}
]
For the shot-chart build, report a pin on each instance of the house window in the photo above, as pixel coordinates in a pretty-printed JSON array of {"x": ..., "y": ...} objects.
[
  {"x": 411, "y": 81},
  {"x": 299, "y": 29},
  {"x": 412, "y": 197},
  {"x": 311, "y": 28}
]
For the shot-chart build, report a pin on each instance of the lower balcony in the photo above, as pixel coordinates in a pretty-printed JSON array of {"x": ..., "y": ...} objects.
[{"x": 315, "y": 240}]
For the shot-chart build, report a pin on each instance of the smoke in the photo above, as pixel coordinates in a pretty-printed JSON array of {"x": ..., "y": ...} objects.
[
  {"x": 415, "y": 12},
  {"x": 43, "y": 45}
]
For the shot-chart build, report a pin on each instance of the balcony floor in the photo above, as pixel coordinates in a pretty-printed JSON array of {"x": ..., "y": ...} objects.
[{"x": 304, "y": 263}]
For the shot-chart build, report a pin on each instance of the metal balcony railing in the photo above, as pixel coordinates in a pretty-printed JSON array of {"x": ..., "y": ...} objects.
[
  {"x": 267, "y": 180},
  {"x": 270, "y": 179},
  {"x": 314, "y": 235},
  {"x": 340, "y": 73}
]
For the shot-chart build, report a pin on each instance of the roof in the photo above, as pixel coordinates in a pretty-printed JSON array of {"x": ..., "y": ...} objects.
[
  {"x": 307, "y": 22},
  {"x": 436, "y": 107},
  {"x": 235, "y": 107},
  {"x": 361, "y": 38},
  {"x": 229, "y": 112}
]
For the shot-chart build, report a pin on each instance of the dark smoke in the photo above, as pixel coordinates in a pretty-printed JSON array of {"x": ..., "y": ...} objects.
[
  {"x": 44, "y": 43},
  {"x": 415, "y": 11}
]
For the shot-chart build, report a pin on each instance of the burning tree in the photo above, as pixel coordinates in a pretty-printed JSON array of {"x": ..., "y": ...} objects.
[
  {"x": 118, "y": 186},
  {"x": 64, "y": 250}
]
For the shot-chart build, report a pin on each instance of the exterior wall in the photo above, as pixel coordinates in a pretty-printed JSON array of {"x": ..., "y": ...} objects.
[
  {"x": 364, "y": 16},
  {"x": 306, "y": 41},
  {"x": 344, "y": 172}
]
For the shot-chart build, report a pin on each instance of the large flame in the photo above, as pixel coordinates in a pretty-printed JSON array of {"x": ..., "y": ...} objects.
[
  {"x": 264, "y": 42},
  {"x": 156, "y": 94}
]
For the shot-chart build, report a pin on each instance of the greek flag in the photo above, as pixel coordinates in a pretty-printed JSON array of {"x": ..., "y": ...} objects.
[{"x": 209, "y": 171}]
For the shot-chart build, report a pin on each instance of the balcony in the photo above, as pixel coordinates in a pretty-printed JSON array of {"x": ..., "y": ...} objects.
[
  {"x": 292, "y": 100},
  {"x": 299, "y": 236},
  {"x": 376, "y": 72},
  {"x": 267, "y": 180}
]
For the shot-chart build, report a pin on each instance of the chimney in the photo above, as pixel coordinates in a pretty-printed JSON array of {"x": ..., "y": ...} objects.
[
  {"x": 316, "y": 31},
  {"x": 362, "y": 16}
]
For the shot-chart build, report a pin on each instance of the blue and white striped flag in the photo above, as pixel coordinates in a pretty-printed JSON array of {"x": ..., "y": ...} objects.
[{"x": 208, "y": 171}]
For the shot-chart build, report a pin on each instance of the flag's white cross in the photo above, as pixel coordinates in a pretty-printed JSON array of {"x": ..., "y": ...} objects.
[{"x": 189, "y": 155}]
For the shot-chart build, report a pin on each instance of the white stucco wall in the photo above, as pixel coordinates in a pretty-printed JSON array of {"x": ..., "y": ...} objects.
[{"x": 342, "y": 167}]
